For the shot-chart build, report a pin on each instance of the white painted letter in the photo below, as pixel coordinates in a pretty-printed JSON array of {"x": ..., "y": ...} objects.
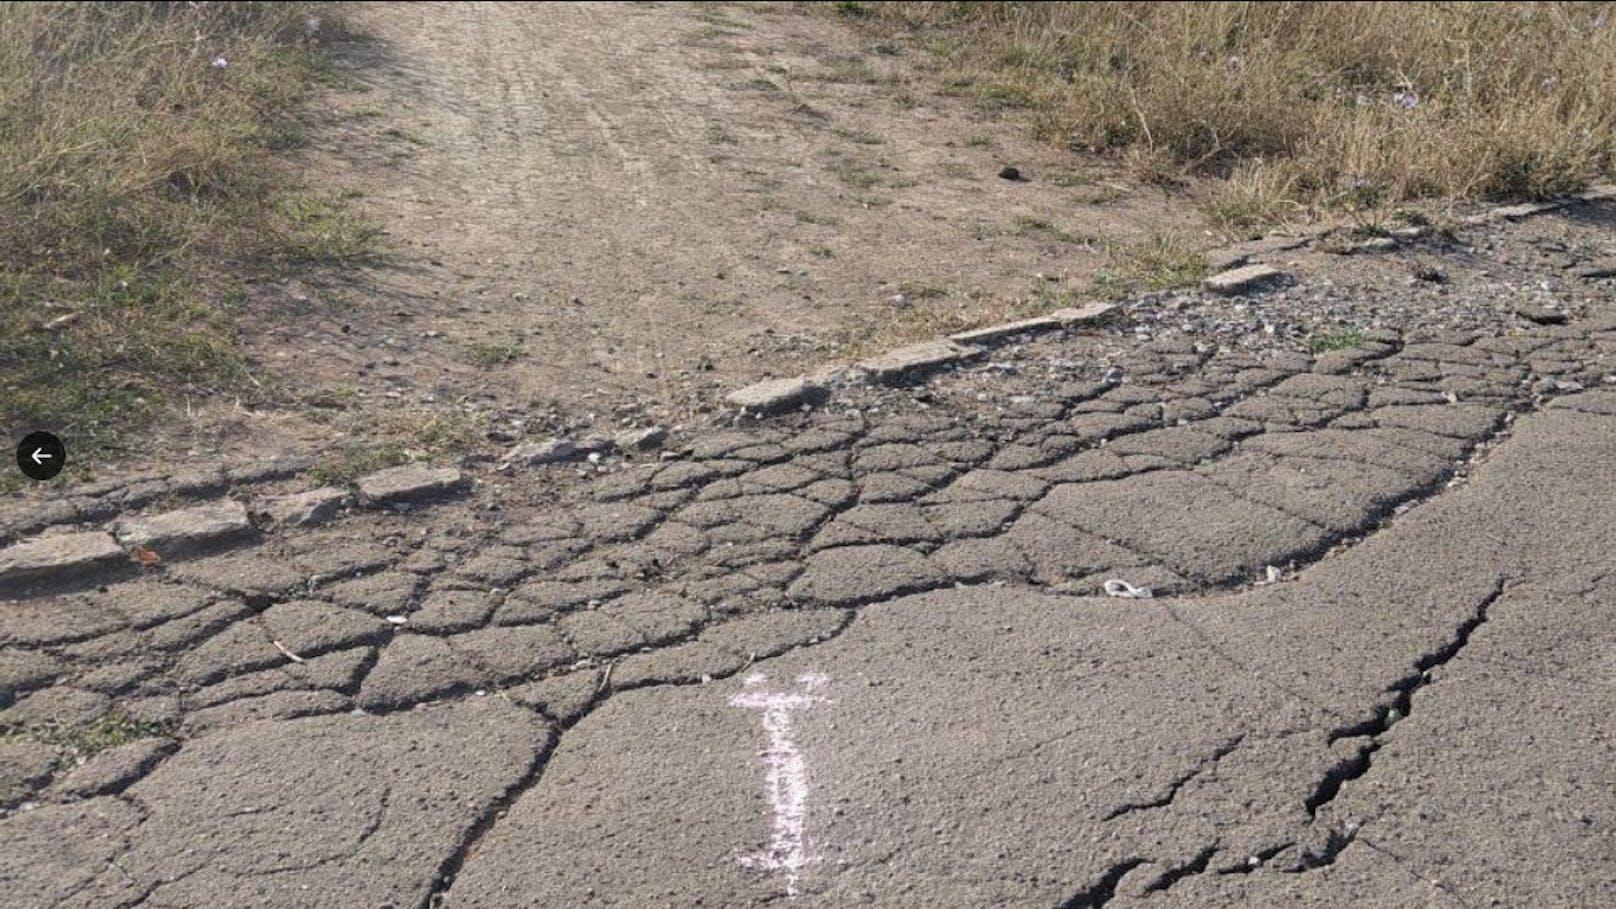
[{"x": 786, "y": 776}]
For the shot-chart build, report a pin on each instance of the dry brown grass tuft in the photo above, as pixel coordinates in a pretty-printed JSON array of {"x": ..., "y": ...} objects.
[
  {"x": 1303, "y": 107},
  {"x": 138, "y": 183}
]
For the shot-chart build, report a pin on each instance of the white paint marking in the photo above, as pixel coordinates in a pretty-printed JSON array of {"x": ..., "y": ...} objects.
[{"x": 786, "y": 776}]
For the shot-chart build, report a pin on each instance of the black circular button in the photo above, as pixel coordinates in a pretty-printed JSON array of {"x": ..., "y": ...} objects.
[{"x": 41, "y": 455}]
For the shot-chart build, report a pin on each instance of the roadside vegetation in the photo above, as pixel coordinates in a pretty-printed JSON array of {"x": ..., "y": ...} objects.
[
  {"x": 142, "y": 186},
  {"x": 1295, "y": 111}
]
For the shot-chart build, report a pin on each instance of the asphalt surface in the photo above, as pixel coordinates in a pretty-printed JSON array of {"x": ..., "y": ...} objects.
[
  {"x": 997, "y": 746},
  {"x": 851, "y": 659}
]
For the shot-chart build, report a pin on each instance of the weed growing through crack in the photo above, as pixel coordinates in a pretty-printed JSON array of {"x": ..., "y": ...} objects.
[
  {"x": 82, "y": 740},
  {"x": 1339, "y": 340}
]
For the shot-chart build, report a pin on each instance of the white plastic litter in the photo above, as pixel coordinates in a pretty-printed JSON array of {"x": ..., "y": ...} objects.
[{"x": 1117, "y": 587}]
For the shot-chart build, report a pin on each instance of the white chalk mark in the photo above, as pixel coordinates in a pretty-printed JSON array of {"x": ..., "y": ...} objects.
[{"x": 786, "y": 776}]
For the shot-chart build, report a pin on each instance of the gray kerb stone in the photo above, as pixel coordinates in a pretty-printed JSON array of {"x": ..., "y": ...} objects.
[
  {"x": 1087, "y": 314},
  {"x": 304, "y": 508},
  {"x": 641, "y": 439},
  {"x": 1005, "y": 329},
  {"x": 776, "y": 394},
  {"x": 554, "y": 451},
  {"x": 1061, "y": 318},
  {"x": 1240, "y": 280},
  {"x": 413, "y": 481},
  {"x": 529, "y": 454},
  {"x": 58, "y": 554},
  {"x": 916, "y": 358},
  {"x": 1526, "y": 209},
  {"x": 187, "y": 528}
]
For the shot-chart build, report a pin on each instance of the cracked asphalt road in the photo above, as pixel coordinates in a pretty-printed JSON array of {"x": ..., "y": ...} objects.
[
  {"x": 856, "y": 656},
  {"x": 524, "y": 697},
  {"x": 1002, "y": 746}
]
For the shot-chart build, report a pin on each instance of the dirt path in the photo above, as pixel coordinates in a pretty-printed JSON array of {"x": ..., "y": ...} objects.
[{"x": 612, "y": 213}]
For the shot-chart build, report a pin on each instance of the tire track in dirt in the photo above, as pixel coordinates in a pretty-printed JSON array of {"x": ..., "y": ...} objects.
[{"x": 598, "y": 208}]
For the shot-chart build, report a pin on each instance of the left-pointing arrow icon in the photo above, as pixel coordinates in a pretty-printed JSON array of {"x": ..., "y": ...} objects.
[{"x": 41, "y": 456}]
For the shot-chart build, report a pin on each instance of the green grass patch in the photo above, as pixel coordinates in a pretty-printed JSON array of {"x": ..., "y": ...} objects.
[
  {"x": 402, "y": 438},
  {"x": 321, "y": 229},
  {"x": 1336, "y": 340},
  {"x": 496, "y": 354},
  {"x": 1031, "y": 226},
  {"x": 142, "y": 185},
  {"x": 348, "y": 463},
  {"x": 1068, "y": 177},
  {"x": 858, "y": 177},
  {"x": 923, "y": 290},
  {"x": 83, "y": 740},
  {"x": 858, "y": 136},
  {"x": 808, "y": 217}
]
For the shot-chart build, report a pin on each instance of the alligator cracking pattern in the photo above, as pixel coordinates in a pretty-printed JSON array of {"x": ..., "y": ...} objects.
[{"x": 1187, "y": 472}]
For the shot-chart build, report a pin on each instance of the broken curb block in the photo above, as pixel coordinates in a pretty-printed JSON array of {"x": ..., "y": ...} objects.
[
  {"x": 1224, "y": 259},
  {"x": 1087, "y": 314},
  {"x": 1524, "y": 210},
  {"x": 1542, "y": 315},
  {"x": 531, "y": 454},
  {"x": 1237, "y": 254},
  {"x": 916, "y": 358},
  {"x": 1598, "y": 193},
  {"x": 554, "y": 451},
  {"x": 1004, "y": 330},
  {"x": 641, "y": 439},
  {"x": 1412, "y": 232},
  {"x": 776, "y": 395},
  {"x": 400, "y": 484},
  {"x": 1240, "y": 280},
  {"x": 304, "y": 509},
  {"x": 278, "y": 469},
  {"x": 1376, "y": 245},
  {"x": 188, "y": 528},
  {"x": 63, "y": 553}
]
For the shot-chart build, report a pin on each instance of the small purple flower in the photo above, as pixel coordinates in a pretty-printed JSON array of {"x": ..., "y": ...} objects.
[
  {"x": 219, "y": 63},
  {"x": 1406, "y": 98}
]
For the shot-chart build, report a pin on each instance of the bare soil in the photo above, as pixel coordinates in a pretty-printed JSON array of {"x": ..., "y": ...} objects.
[{"x": 610, "y": 214}]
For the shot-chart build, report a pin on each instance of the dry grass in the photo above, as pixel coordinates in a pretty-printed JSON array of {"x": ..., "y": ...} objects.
[
  {"x": 139, "y": 190},
  {"x": 1305, "y": 109},
  {"x": 1158, "y": 262}
]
